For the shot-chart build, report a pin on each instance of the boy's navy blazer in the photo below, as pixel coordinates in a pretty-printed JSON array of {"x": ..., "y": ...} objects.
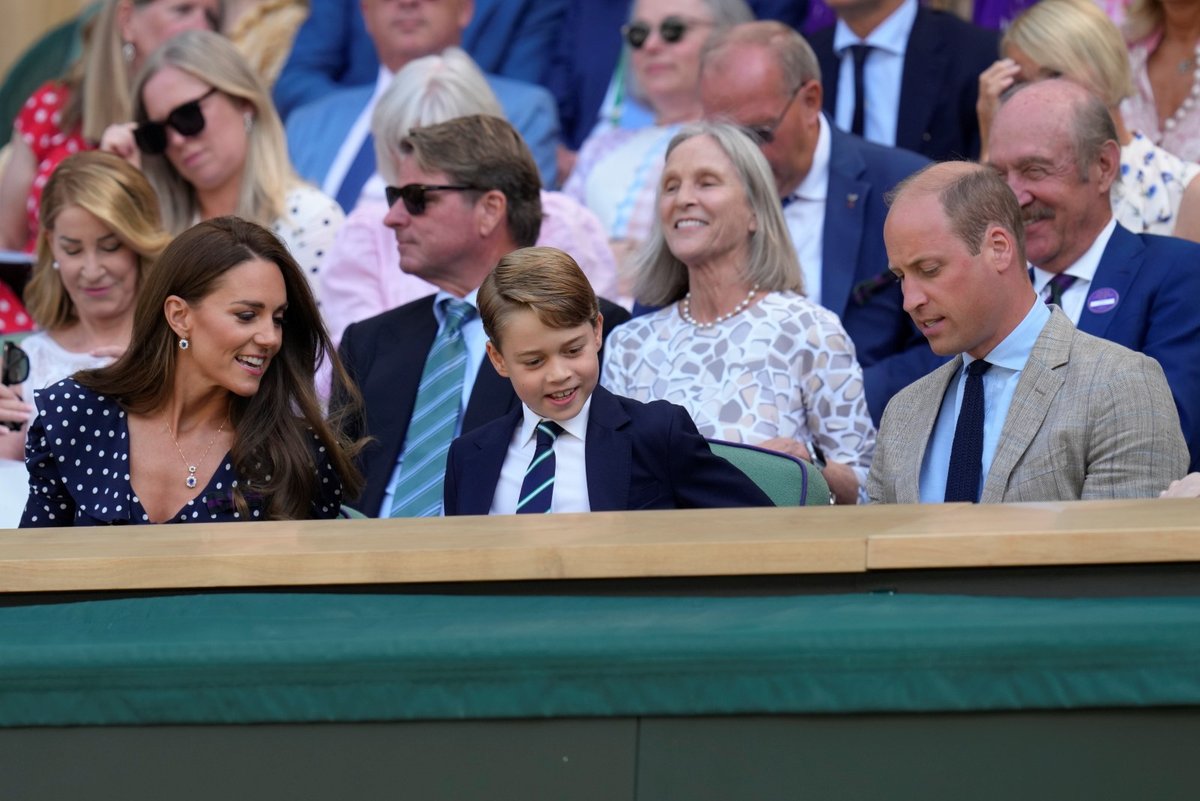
[
  {"x": 638, "y": 456},
  {"x": 384, "y": 356}
]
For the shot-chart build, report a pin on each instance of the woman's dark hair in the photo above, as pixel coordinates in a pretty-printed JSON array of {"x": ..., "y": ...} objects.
[{"x": 273, "y": 450}]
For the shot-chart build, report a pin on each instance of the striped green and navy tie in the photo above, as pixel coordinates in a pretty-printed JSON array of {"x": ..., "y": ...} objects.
[{"x": 537, "y": 489}]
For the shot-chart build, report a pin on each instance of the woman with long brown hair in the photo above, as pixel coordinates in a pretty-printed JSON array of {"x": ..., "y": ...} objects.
[{"x": 211, "y": 413}]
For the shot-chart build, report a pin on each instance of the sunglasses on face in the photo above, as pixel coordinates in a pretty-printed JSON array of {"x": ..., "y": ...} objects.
[
  {"x": 14, "y": 369},
  {"x": 414, "y": 198},
  {"x": 670, "y": 30},
  {"x": 187, "y": 119},
  {"x": 765, "y": 134}
]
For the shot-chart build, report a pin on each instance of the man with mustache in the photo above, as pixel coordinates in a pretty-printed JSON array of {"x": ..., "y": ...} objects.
[
  {"x": 1030, "y": 408},
  {"x": 1055, "y": 145}
]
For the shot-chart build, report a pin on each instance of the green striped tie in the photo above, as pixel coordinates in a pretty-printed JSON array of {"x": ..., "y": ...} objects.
[
  {"x": 537, "y": 489},
  {"x": 435, "y": 416}
]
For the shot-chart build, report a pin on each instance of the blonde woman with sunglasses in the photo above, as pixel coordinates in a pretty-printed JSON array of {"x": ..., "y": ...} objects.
[
  {"x": 618, "y": 168},
  {"x": 207, "y": 136}
]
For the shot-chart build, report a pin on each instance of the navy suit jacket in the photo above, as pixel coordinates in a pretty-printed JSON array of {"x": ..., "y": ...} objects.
[
  {"x": 385, "y": 355},
  {"x": 1157, "y": 282},
  {"x": 855, "y": 280},
  {"x": 332, "y": 50},
  {"x": 638, "y": 456},
  {"x": 939, "y": 86}
]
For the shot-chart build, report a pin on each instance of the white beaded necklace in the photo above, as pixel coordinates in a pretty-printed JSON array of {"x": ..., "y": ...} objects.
[
  {"x": 685, "y": 309},
  {"x": 1193, "y": 95}
]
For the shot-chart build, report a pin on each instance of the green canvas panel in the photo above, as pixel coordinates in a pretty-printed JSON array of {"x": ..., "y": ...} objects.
[{"x": 272, "y": 658}]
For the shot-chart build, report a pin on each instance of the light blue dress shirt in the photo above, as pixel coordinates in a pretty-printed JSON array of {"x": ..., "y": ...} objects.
[
  {"x": 1008, "y": 359},
  {"x": 883, "y": 74}
]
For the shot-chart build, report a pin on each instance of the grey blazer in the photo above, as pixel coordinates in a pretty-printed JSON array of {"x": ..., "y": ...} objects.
[{"x": 1089, "y": 419}]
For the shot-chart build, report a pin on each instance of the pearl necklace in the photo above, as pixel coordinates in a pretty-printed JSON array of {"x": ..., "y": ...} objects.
[
  {"x": 1192, "y": 63},
  {"x": 190, "y": 481},
  {"x": 685, "y": 309}
]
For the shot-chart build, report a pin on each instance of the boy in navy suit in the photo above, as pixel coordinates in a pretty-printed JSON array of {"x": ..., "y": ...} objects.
[{"x": 573, "y": 446}]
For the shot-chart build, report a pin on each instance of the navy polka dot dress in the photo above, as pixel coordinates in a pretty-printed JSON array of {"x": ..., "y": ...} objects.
[{"x": 77, "y": 452}]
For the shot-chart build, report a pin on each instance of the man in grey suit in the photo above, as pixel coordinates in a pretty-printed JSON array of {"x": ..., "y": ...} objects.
[{"x": 1031, "y": 409}]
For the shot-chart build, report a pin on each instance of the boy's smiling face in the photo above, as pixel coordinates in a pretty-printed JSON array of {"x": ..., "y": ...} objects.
[{"x": 553, "y": 370}]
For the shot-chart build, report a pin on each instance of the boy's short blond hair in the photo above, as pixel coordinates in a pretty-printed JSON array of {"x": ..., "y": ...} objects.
[{"x": 544, "y": 280}]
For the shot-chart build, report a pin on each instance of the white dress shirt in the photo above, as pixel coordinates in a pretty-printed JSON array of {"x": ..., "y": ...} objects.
[
  {"x": 805, "y": 214},
  {"x": 883, "y": 73},
  {"x": 1084, "y": 270},
  {"x": 570, "y": 466}
]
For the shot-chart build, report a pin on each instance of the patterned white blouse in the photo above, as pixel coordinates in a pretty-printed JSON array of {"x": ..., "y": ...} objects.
[
  {"x": 1146, "y": 199},
  {"x": 784, "y": 367}
]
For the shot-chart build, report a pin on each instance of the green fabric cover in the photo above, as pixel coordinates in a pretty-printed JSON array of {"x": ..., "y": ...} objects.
[
  {"x": 267, "y": 658},
  {"x": 786, "y": 480}
]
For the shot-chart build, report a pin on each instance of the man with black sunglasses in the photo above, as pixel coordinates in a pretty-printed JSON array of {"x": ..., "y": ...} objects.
[
  {"x": 468, "y": 195},
  {"x": 764, "y": 77}
]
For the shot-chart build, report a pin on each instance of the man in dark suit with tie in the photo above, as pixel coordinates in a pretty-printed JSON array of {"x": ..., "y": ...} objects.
[
  {"x": 469, "y": 194},
  {"x": 764, "y": 77},
  {"x": 1056, "y": 146},
  {"x": 905, "y": 76}
]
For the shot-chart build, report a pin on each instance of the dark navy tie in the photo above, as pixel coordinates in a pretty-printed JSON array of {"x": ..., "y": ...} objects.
[
  {"x": 966, "y": 456},
  {"x": 860, "y": 53},
  {"x": 537, "y": 489}
]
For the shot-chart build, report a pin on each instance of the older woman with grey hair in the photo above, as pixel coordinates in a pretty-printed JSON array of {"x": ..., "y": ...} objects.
[
  {"x": 361, "y": 274},
  {"x": 737, "y": 344},
  {"x": 617, "y": 169}
]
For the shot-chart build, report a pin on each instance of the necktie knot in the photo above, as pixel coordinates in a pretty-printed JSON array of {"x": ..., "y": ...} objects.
[
  {"x": 547, "y": 433},
  {"x": 1058, "y": 285},
  {"x": 978, "y": 367},
  {"x": 860, "y": 52},
  {"x": 456, "y": 312}
]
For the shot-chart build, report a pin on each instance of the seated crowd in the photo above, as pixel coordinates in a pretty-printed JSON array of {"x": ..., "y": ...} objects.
[{"x": 394, "y": 271}]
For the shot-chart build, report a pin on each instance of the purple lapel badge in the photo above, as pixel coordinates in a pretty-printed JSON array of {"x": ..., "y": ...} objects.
[{"x": 1103, "y": 300}]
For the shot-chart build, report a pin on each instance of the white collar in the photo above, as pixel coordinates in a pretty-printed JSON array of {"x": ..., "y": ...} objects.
[
  {"x": 1086, "y": 265},
  {"x": 815, "y": 185},
  {"x": 576, "y": 426}
]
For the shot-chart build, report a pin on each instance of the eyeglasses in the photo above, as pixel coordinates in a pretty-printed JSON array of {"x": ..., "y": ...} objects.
[
  {"x": 413, "y": 195},
  {"x": 765, "y": 134},
  {"x": 14, "y": 369},
  {"x": 188, "y": 119},
  {"x": 670, "y": 30}
]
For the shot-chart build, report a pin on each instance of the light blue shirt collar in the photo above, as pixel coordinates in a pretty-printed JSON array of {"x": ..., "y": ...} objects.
[
  {"x": 891, "y": 35},
  {"x": 1013, "y": 351}
]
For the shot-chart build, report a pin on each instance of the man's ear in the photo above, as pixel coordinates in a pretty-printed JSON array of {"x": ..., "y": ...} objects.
[
  {"x": 179, "y": 315},
  {"x": 998, "y": 245},
  {"x": 491, "y": 211},
  {"x": 1108, "y": 162},
  {"x": 497, "y": 359}
]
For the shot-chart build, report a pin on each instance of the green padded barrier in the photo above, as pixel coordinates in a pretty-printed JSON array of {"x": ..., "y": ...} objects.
[
  {"x": 786, "y": 480},
  {"x": 280, "y": 657}
]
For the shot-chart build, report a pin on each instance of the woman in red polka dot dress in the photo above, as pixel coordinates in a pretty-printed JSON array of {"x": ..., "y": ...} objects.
[{"x": 70, "y": 114}]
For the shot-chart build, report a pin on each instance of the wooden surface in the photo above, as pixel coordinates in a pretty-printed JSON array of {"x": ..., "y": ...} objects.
[{"x": 602, "y": 545}]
